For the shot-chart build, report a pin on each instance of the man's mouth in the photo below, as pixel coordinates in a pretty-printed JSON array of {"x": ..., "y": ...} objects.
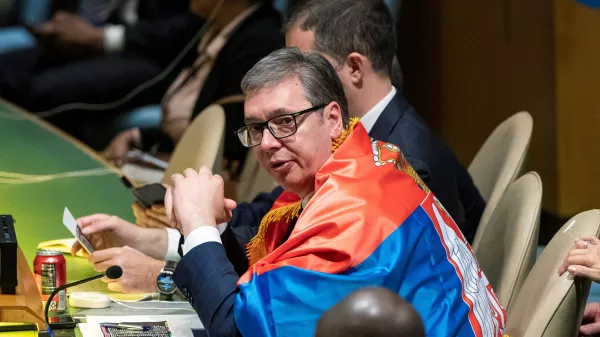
[{"x": 280, "y": 165}]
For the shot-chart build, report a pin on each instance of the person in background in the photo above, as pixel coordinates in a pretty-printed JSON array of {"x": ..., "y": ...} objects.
[
  {"x": 79, "y": 60},
  {"x": 371, "y": 312},
  {"x": 360, "y": 42},
  {"x": 584, "y": 261},
  {"x": 242, "y": 33}
]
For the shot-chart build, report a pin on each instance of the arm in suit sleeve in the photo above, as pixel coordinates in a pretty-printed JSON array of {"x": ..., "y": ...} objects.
[
  {"x": 243, "y": 227},
  {"x": 208, "y": 280}
]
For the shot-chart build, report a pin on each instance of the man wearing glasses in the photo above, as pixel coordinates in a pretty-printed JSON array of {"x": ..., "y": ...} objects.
[{"x": 353, "y": 214}]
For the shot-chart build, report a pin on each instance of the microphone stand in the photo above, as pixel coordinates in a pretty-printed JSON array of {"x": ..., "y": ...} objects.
[{"x": 114, "y": 272}]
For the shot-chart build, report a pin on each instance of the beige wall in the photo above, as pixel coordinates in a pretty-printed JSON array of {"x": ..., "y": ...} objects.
[
  {"x": 578, "y": 106},
  {"x": 475, "y": 63}
]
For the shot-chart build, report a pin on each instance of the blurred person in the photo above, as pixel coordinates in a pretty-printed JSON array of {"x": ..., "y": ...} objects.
[
  {"x": 371, "y": 312},
  {"x": 360, "y": 42},
  {"x": 77, "y": 61},
  {"x": 243, "y": 32}
]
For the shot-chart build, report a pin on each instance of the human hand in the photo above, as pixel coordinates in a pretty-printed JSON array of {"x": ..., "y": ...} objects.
[
  {"x": 73, "y": 34},
  {"x": 106, "y": 231},
  {"x": 139, "y": 270},
  {"x": 584, "y": 259},
  {"x": 196, "y": 199},
  {"x": 590, "y": 325},
  {"x": 121, "y": 144}
]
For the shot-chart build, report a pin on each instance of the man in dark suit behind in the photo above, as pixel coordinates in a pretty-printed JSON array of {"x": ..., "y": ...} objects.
[
  {"x": 76, "y": 61},
  {"x": 360, "y": 42}
]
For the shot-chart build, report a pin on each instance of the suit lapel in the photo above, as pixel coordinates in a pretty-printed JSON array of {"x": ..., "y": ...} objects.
[{"x": 388, "y": 119}]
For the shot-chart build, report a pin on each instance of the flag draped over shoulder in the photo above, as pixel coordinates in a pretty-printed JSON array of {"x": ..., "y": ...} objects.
[{"x": 370, "y": 222}]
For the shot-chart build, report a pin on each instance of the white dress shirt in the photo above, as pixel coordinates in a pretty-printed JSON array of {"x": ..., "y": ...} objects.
[
  {"x": 205, "y": 234},
  {"x": 369, "y": 119},
  {"x": 114, "y": 35}
]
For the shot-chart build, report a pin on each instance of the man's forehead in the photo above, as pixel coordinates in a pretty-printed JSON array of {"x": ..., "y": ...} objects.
[{"x": 283, "y": 98}]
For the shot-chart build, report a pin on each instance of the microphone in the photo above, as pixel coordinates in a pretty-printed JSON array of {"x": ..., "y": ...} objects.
[{"x": 113, "y": 273}]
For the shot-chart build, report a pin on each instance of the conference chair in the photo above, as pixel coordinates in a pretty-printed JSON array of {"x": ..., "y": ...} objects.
[
  {"x": 201, "y": 144},
  {"x": 507, "y": 249},
  {"x": 253, "y": 180},
  {"x": 549, "y": 305},
  {"x": 499, "y": 161}
]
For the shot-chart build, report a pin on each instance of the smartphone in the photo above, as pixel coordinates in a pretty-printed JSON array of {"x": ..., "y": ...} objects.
[
  {"x": 62, "y": 322},
  {"x": 147, "y": 195},
  {"x": 83, "y": 240}
]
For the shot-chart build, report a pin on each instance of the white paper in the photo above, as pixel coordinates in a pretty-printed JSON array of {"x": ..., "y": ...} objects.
[
  {"x": 69, "y": 222},
  {"x": 180, "y": 325}
]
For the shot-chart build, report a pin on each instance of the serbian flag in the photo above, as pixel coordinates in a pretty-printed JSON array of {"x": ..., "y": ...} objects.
[{"x": 370, "y": 222}]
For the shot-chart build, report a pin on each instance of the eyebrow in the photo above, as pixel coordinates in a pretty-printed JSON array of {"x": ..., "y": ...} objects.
[{"x": 270, "y": 114}]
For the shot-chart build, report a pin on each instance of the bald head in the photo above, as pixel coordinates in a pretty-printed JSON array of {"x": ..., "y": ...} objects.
[{"x": 371, "y": 312}]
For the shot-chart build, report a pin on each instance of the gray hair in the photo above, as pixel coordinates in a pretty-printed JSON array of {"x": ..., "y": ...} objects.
[{"x": 320, "y": 82}]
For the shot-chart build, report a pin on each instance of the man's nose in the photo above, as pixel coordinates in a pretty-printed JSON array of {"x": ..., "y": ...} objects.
[{"x": 269, "y": 142}]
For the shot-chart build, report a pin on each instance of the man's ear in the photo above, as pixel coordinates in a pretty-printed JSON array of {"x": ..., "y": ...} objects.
[
  {"x": 355, "y": 64},
  {"x": 333, "y": 116}
]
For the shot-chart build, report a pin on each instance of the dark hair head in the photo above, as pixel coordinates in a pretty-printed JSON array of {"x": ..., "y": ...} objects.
[
  {"x": 371, "y": 312},
  {"x": 320, "y": 82},
  {"x": 345, "y": 26}
]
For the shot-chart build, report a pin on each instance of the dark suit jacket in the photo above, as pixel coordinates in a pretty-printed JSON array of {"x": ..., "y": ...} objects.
[
  {"x": 255, "y": 38},
  {"x": 435, "y": 163},
  {"x": 211, "y": 270}
]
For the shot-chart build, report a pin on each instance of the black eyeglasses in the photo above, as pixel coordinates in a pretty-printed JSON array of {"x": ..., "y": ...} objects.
[{"x": 281, "y": 126}]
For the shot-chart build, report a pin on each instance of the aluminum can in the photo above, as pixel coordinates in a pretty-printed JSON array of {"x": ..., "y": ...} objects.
[{"x": 50, "y": 271}]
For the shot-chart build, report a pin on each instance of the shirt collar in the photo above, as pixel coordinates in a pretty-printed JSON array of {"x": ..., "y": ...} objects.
[{"x": 369, "y": 119}]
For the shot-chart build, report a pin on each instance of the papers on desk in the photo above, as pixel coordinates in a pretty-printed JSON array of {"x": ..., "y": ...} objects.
[
  {"x": 180, "y": 325},
  {"x": 142, "y": 174}
]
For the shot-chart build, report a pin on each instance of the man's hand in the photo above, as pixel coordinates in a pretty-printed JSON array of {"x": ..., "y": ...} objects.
[
  {"x": 590, "y": 326},
  {"x": 73, "y": 34},
  {"x": 105, "y": 231},
  {"x": 123, "y": 142},
  {"x": 139, "y": 271},
  {"x": 196, "y": 199},
  {"x": 584, "y": 259}
]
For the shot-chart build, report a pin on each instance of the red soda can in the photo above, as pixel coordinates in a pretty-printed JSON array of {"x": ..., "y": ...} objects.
[{"x": 50, "y": 271}]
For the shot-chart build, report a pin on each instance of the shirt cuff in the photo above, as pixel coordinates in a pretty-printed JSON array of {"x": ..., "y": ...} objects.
[
  {"x": 114, "y": 38},
  {"x": 200, "y": 235},
  {"x": 173, "y": 245},
  {"x": 222, "y": 227}
]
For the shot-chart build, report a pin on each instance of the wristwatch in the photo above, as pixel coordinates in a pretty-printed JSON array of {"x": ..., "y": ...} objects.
[{"x": 164, "y": 281}]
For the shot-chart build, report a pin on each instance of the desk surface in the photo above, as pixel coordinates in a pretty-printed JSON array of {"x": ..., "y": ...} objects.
[{"x": 31, "y": 146}]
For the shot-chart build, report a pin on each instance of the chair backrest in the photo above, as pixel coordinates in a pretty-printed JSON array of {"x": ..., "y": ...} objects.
[
  {"x": 201, "y": 144},
  {"x": 501, "y": 160},
  {"x": 253, "y": 180},
  {"x": 506, "y": 251},
  {"x": 549, "y": 305}
]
